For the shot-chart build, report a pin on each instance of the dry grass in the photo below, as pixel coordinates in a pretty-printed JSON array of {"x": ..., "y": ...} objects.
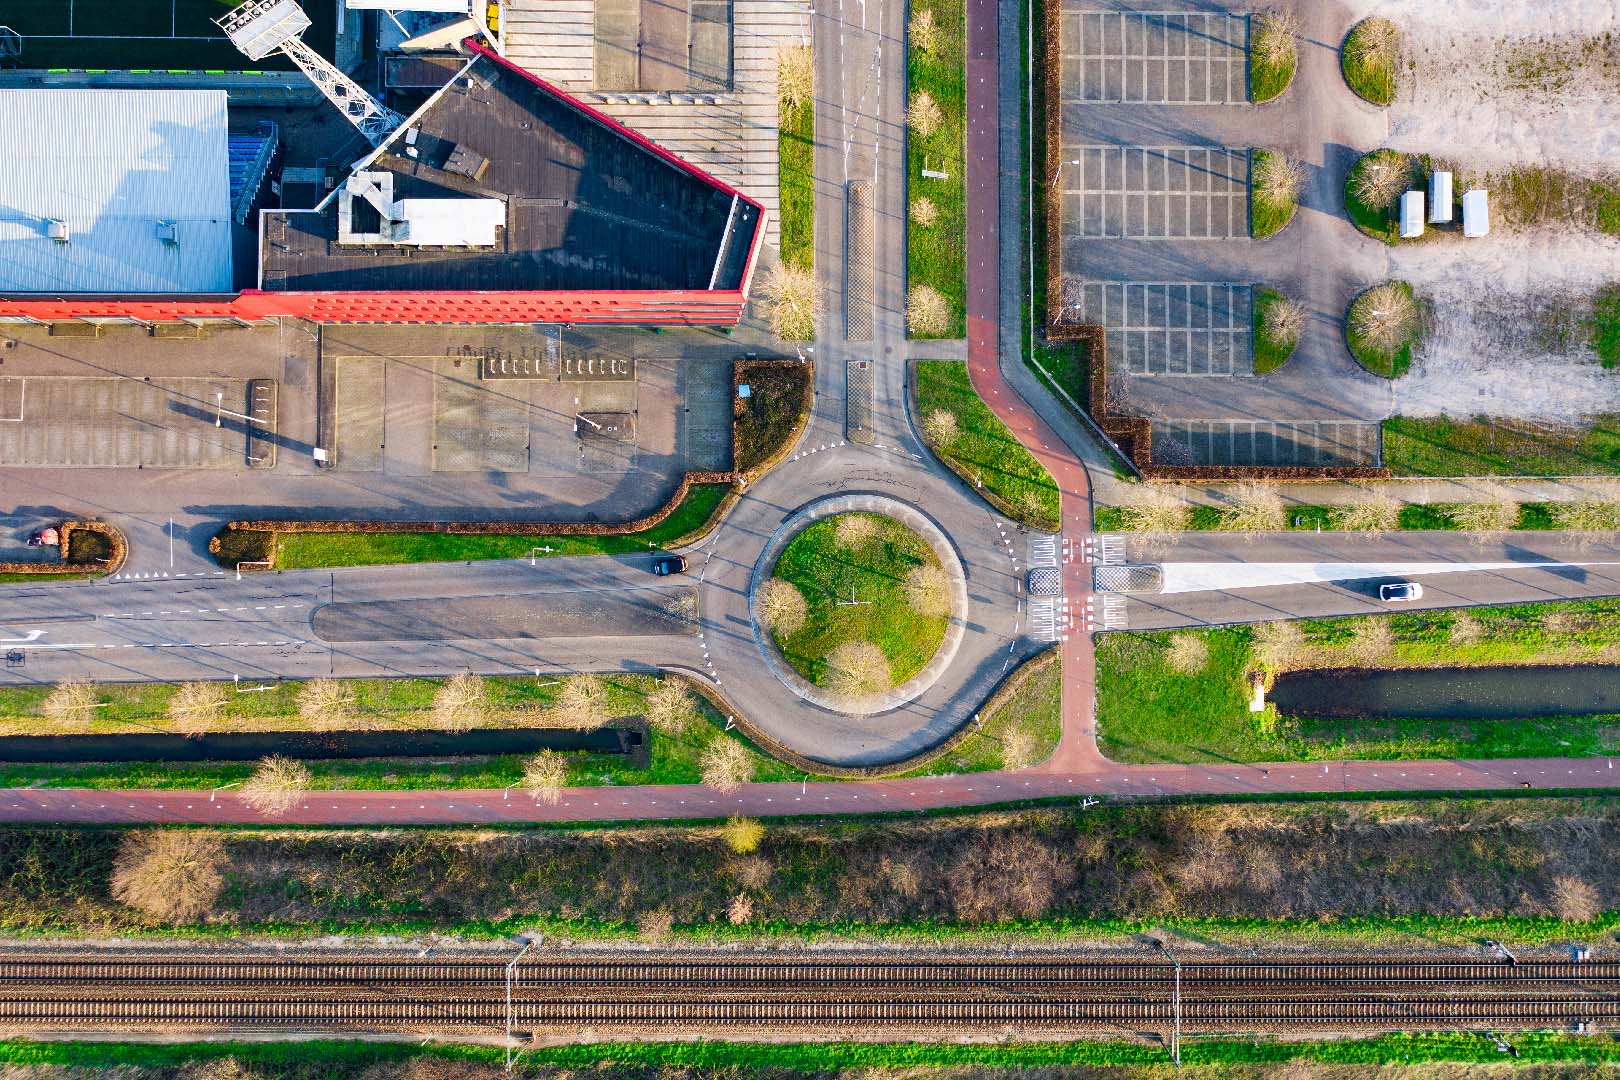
[
  {"x": 1368, "y": 510},
  {"x": 1574, "y": 899},
  {"x": 928, "y": 312},
  {"x": 1587, "y": 515},
  {"x": 459, "y": 703},
  {"x": 1273, "y": 40},
  {"x": 1153, "y": 508},
  {"x": 1466, "y": 630},
  {"x": 545, "y": 775},
  {"x": 1278, "y": 178},
  {"x": 855, "y": 531},
  {"x": 197, "y": 702},
  {"x": 656, "y": 925},
  {"x": 325, "y": 703},
  {"x": 857, "y": 669},
  {"x": 791, "y": 302},
  {"x": 1020, "y": 749},
  {"x": 276, "y": 786},
  {"x": 923, "y": 31},
  {"x": 795, "y": 76},
  {"x": 669, "y": 709},
  {"x": 1385, "y": 317},
  {"x": 1254, "y": 508},
  {"x": 743, "y": 834},
  {"x": 172, "y": 875},
  {"x": 1188, "y": 655},
  {"x": 1495, "y": 511},
  {"x": 1383, "y": 180},
  {"x": 581, "y": 706},
  {"x": 941, "y": 429},
  {"x": 726, "y": 765},
  {"x": 924, "y": 115},
  {"x": 782, "y": 606},
  {"x": 1282, "y": 322},
  {"x": 1279, "y": 646},
  {"x": 928, "y": 591},
  {"x": 1374, "y": 640},
  {"x": 1376, "y": 46},
  {"x": 71, "y": 702},
  {"x": 924, "y": 211}
]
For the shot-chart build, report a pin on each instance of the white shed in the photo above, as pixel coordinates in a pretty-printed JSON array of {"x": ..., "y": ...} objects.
[
  {"x": 1439, "y": 197},
  {"x": 1476, "y": 213},
  {"x": 1412, "y": 215}
]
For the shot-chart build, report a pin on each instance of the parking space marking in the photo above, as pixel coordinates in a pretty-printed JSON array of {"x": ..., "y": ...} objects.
[
  {"x": 1193, "y": 58},
  {"x": 1312, "y": 443},
  {"x": 1169, "y": 191},
  {"x": 1173, "y": 328}
]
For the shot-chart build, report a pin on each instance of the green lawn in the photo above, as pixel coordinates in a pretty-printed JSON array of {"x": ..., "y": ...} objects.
[
  {"x": 936, "y": 255},
  {"x": 1267, "y": 217},
  {"x": 1390, "y": 364},
  {"x": 1034, "y": 713},
  {"x": 1149, "y": 712},
  {"x": 1422, "y": 446},
  {"x": 1268, "y": 354},
  {"x": 985, "y": 450},
  {"x": 1372, "y": 77},
  {"x": 830, "y": 575},
  {"x": 41, "y": 579},
  {"x": 1604, "y": 325},
  {"x": 796, "y": 143},
  {"x": 1268, "y": 79},
  {"x": 296, "y": 551}
]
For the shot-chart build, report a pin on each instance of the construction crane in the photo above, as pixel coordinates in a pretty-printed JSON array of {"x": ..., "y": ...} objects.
[{"x": 261, "y": 27}]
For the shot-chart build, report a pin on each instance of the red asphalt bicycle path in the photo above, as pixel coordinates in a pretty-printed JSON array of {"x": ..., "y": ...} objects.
[{"x": 1076, "y": 770}]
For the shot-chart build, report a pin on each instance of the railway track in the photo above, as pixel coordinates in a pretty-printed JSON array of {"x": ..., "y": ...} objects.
[{"x": 742, "y": 994}]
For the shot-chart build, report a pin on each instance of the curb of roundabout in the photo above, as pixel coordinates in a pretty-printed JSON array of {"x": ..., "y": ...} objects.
[{"x": 914, "y": 519}]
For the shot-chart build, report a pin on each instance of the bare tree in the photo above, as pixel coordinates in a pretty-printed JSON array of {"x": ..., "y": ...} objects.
[
  {"x": 1253, "y": 508},
  {"x": 924, "y": 212},
  {"x": 740, "y": 910},
  {"x": 1385, "y": 317},
  {"x": 459, "y": 703},
  {"x": 742, "y": 834},
  {"x": 656, "y": 925},
  {"x": 791, "y": 302},
  {"x": 325, "y": 703},
  {"x": 924, "y": 115},
  {"x": 545, "y": 775},
  {"x": 1278, "y": 178},
  {"x": 855, "y": 530},
  {"x": 1574, "y": 899},
  {"x": 923, "y": 32},
  {"x": 669, "y": 709},
  {"x": 1368, "y": 510},
  {"x": 1155, "y": 508},
  {"x": 857, "y": 669},
  {"x": 795, "y": 76},
  {"x": 582, "y": 704},
  {"x": 1273, "y": 39},
  {"x": 1374, "y": 43},
  {"x": 782, "y": 606},
  {"x": 726, "y": 764},
  {"x": 173, "y": 875},
  {"x": 940, "y": 428},
  {"x": 276, "y": 786},
  {"x": 928, "y": 591},
  {"x": 1282, "y": 322},
  {"x": 72, "y": 701},
  {"x": 1188, "y": 654},
  {"x": 928, "y": 313},
  {"x": 194, "y": 704},
  {"x": 1380, "y": 179}
]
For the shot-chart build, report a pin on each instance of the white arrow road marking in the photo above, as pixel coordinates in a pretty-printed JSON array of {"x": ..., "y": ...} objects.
[{"x": 33, "y": 635}]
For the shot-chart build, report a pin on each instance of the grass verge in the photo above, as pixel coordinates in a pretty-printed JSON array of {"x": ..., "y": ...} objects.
[
  {"x": 983, "y": 451},
  {"x": 1269, "y": 78},
  {"x": 1269, "y": 353},
  {"x": 298, "y": 551},
  {"x": 1311, "y": 517},
  {"x": 1267, "y": 215},
  {"x": 1149, "y": 710},
  {"x": 796, "y": 146},
  {"x": 1024, "y": 730},
  {"x": 1483, "y": 446},
  {"x": 936, "y": 254},
  {"x": 1604, "y": 326},
  {"x": 776, "y": 407}
]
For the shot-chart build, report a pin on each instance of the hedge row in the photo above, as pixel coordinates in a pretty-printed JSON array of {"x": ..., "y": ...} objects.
[{"x": 118, "y": 552}]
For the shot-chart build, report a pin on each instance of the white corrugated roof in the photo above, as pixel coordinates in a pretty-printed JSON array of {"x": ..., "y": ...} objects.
[{"x": 113, "y": 164}]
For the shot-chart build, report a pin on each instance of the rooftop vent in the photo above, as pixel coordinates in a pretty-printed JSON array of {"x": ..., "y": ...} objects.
[
  {"x": 168, "y": 233},
  {"x": 57, "y": 230}
]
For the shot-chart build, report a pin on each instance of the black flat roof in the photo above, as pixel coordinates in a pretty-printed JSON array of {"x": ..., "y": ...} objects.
[{"x": 587, "y": 207}]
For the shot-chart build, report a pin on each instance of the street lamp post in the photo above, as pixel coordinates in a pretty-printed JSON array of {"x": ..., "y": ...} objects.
[
  {"x": 220, "y": 411},
  {"x": 511, "y": 970}
]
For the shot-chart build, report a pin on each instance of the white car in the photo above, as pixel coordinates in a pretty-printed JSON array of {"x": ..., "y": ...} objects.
[{"x": 1400, "y": 591}]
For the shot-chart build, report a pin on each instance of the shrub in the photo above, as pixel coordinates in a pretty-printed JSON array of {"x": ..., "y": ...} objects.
[
  {"x": 1278, "y": 178},
  {"x": 740, "y": 910},
  {"x": 1189, "y": 653},
  {"x": 1574, "y": 899},
  {"x": 1254, "y": 507},
  {"x": 1382, "y": 327},
  {"x": 923, "y": 32},
  {"x": 924, "y": 212},
  {"x": 545, "y": 775},
  {"x": 940, "y": 428},
  {"x": 782, "y": 606},
  {"x": 1272, "y": 41},
  {"x": 458, "y": 704},
  {"x": 1371, "y": 50},
  {"x": 1155, "y": 508},
  {"x": 726, "y": 764},
  {"x": 1282, "y": 321},
  {"x": 855, "y": 530},
  {"x": 857, "y": 669},
  {"x": 668, "y": 709},
  {"x": 276, "y": 786},
  {"x": 325, "y": 703},
  {"x": 71, "y": 701},
  {"x": 924, "y": 115},
  {"x": 1003, "y": 874},
  {"x": 928, "y": 312},
  {"x": 742, "y": 834},
  {"x": 928, "y": 591},
  {"x": 656, "y": 925},
  {"x": 1380, "y": 178},
  {"x": 795, "y": 76},
  {"x": 172, "y": 875},
  {"x": 196, "y": 701},
  {"x": 1368, "y": 510},
  {"x": 581, "y": 705},
  {"x": 791, "y": 302}
]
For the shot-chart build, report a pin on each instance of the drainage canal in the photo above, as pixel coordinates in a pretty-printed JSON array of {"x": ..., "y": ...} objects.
[
  {"x": 1449, "y": 693},
  {"x": 311, "y": 745}
]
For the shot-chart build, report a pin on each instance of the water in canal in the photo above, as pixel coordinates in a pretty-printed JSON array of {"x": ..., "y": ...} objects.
[{"x": 1449, "y": 693}]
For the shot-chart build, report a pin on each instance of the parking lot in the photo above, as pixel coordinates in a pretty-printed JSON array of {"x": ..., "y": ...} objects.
[
  {"x": 1173, "y": 328},
  {"x": 1179, "y": 191},
  {"x": 108, "y": 422},
  {"x": 1156, "y": 56}
]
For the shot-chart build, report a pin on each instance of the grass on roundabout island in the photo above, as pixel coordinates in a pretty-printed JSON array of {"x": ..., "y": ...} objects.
[{"x": 857, "y": 593}]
